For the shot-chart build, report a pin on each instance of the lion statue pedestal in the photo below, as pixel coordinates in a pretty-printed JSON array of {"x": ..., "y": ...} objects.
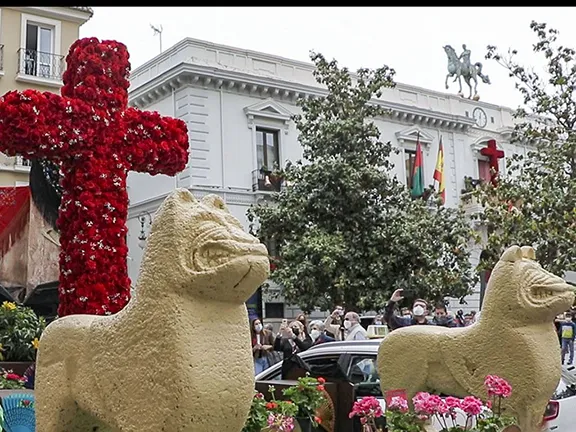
[
  {"x": 515, "y": 339},
  {"x": 106, "y": 373}
]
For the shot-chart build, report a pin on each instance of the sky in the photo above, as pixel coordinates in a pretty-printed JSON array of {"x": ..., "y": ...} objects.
[{"x": 408, "y": 39}]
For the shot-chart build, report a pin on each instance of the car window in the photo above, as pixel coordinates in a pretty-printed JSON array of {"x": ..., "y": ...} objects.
[
  {"x": 274, "y": 373},
  {"x": 362, "y": 369}
]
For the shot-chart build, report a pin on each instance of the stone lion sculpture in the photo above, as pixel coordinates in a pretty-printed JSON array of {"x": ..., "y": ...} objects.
[
  {"x": 177, "y": 357},
  {"x": 515, "y": 339}
]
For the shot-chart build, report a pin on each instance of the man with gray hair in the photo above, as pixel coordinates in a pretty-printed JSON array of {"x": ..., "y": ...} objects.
[
  {"x": 318, "y": 334},
  {"x": 353, "y": 329}
]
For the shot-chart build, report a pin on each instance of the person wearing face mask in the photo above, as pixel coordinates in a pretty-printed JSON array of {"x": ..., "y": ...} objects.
[
  {"x": 318, "y": 334},
  {"x": 353, "y": 329},
  {"x": 419, "y": 312},
  {"x": 262, "y": 344},
  {"x": 441, "y": 317},
  {"x": 291, "y": 339}
]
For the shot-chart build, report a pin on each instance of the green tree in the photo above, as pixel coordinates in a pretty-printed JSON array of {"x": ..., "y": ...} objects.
[
  {"x": 535, "y": 204},
  {"x": 347, "y": 230}
]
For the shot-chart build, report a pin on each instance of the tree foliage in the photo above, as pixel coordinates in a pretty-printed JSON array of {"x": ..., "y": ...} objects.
[
  {"x": 535, "y": 204},
  {"x": 347, "y": 230}
]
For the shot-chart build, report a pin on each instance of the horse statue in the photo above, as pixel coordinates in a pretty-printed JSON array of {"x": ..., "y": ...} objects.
[{"x": 460, "y": 67}]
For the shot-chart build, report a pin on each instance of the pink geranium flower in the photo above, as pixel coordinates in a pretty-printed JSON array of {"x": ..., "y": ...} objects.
[
  {"x": 496, "y": 386},
  {"x": 398, "y": 403},
  {"x": 471, "y": 405}
]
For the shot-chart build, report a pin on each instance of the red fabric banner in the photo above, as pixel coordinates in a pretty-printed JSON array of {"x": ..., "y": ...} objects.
[{"x": 14, "y": 214}]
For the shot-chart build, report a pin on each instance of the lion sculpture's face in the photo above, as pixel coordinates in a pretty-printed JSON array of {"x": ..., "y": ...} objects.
[
  {"x": 205, "y": 250},
  {"x": 521, "y": 290}
]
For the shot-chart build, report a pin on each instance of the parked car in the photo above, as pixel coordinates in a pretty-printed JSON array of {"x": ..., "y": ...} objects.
[
  {"x": 560, "y": 415},
  {"x": 351, "y": 373}
]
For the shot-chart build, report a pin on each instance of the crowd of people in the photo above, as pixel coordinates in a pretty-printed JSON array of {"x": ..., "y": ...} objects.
[
  {"x": 294, "y": 337},
  {"x": 419, "y": 315},
  {"x": 270, "y": 347}
]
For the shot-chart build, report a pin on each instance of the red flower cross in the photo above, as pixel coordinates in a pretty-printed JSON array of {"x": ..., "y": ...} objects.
[{"x": 96, "y": 139}]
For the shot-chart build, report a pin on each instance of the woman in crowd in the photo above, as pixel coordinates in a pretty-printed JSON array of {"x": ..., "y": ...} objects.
[
  {"x": 302, "y": 320},
  {"x": 262, "y": 344},
  {"x": 318, "y": 333},
  {"x": 291, "y": 339}
]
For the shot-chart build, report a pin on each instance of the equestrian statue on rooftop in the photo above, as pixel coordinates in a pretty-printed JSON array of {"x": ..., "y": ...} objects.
[{"x": 459, "y": 66}]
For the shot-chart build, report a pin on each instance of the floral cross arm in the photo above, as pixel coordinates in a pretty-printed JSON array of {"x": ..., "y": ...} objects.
[
  {"x": 39, "y": 124},
  {"x": 156, "y": 144}
]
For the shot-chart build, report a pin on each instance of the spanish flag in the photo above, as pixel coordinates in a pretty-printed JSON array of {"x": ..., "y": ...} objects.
[{"x": 439, "y": 172}]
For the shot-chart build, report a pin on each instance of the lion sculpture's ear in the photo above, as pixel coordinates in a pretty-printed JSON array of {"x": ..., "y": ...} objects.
[
  {"x": 512, "y": 254},
  {"x": 528, "y": 253},
  {"x": 215, "y": 201}
]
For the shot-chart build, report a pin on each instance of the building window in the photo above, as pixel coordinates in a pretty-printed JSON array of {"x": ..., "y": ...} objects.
[
  {"x": 484, "y": 173},
  {"x": 491, "y": 119},
  {"x": 268, "y": 153},
  {"x": 409, "y": 160},
  {"x": 39, "y": 53},
  {"x": 39, "y": 50},
  {"x": 274, "y": 310}
]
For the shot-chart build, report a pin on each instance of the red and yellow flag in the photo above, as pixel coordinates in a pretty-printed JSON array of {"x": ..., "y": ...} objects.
[{"x": 439, "y": 172}]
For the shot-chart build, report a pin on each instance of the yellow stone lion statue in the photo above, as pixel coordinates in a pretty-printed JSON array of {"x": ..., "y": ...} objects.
[
  {"x": 178, "y": 357},
  {"x": 515, "y": 339}
]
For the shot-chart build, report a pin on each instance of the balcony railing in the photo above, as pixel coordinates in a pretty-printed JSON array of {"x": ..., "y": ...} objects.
[
  {"x": 40, "y": 64},
  {"x": 1, "y": 57},
  {"x": 266, "y": 181},
  {"x": 21, "y": 161}
]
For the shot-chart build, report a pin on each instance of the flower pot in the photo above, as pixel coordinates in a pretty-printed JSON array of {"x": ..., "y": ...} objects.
[
  {"x": 16, "y": 367},
  {"x": 304, "y": 424}
]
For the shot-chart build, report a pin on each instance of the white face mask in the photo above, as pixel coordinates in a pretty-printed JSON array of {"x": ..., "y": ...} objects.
[
  {"x": 347, "y": 324},
  {"x": 258, "y": 328},
  {"x": 314, "y": 334},
  {"x": 418, "y": 311}
]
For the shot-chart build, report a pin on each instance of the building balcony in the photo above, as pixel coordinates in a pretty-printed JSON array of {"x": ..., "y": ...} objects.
[
  {"x": 40, "y": 68},
  {"x": 263, "y": 180},
  {"x": 470, "y": 204}
]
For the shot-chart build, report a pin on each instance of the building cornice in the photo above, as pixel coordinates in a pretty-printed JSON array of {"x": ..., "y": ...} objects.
[
  {"x": 187, "y": 74},
  {"x": 74, "y": 14},
  {"x": 302, "y": 65}
]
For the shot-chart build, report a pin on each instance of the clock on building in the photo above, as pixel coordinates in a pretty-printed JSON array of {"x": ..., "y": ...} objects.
[{"x": 480, "y": 117}]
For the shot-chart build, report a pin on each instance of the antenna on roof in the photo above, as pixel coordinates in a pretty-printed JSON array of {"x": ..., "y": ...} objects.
[{"x": 158, "y": 31}]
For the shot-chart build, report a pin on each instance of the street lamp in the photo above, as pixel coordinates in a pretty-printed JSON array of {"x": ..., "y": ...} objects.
[{"x": 142, "y": 237}]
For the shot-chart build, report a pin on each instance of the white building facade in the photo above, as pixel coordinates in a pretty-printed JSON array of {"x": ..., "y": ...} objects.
[{"x": 238, "y": 106}]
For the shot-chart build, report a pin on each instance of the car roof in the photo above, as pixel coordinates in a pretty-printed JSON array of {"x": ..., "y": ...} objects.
[{"x": 338, "y": 347}]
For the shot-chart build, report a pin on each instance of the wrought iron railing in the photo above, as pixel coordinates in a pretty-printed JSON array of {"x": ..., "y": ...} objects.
[
  {"x": 1, "y": 57},
  {"x": 266, "y": 181},
  {"x": 40, "y": 64}
]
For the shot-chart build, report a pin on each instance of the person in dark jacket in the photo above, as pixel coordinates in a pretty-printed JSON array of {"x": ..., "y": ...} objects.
[
  {"x": 291, "y": 339},
  {"x": 441, "y": 317},
  {"x": 419, "y": 312}
]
